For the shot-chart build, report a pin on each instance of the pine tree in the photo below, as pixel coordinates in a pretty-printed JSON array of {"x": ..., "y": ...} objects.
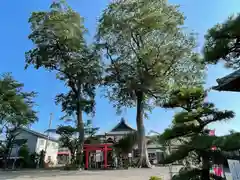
[
  {"x": 222, "y": 43},
  {"x": 189, "y": 129}
]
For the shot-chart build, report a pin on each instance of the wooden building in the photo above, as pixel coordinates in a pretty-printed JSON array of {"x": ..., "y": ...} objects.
[{"x": 230, "y": 82}]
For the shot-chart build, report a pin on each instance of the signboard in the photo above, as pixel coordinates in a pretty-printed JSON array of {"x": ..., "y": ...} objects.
[
  {"x": 98, "y": 156},
  {"x": 234, "y": 166}
]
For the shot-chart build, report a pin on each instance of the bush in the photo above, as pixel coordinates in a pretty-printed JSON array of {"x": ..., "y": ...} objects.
[
  {"x": 69, "y": 167},
  {"x": 41, "y": 159},
  {"x": 24, "y": 151},
  {"x": 24, "y": 154},
  {"x": 155, "y": 178},
  {"x": 33, "y": 161}
]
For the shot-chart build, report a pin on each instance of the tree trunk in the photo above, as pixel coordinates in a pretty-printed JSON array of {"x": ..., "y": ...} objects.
[
  {"x": 72, "y": 159},
  {"x": 80, "y": 126},
  {"x": 205, "y": 169},
  {"x": 5, "y": 159},
  {"x": 144, "y": 160},
  {"x": 7, "y": 153}
]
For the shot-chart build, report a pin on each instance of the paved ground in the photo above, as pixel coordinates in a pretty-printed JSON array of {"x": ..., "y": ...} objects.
[{"x": 131, "y": 174}]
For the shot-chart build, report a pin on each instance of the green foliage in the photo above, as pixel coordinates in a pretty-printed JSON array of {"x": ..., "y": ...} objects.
[
  {"x": 24, "y": 152},
  {"x": 126, "y": 144},
  {"x": 222, "y": 43},
  {"x": 60, "y": 46},
  {"x": 42, "y": 158},
  {"x": 155, "y": 178},
  {"x": 149, "y": 53},
  {"x": 148, "y": 50},
  {"x": 188, "y": 174},
  {"x": 68, "y": 138},
  {"x": 58, "y": 36},
  {"x": 16, "y": 106},
  {"x": 69, "y": 167},
  {"x": 66, "y": 131},
  {"x": 189, "y": 129},
  {"x": 90, "y": 131},
  {"x": 16, "y": 110}
]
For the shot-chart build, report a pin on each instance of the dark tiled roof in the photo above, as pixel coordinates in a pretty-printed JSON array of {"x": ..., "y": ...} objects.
[
  {"x": 38, "y": 134},
  {"x": 122, "y": 126},
  {"x": 228, "y": 82}
]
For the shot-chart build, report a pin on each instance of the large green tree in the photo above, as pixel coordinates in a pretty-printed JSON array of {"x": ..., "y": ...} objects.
[
  {"x": 59, "y": 46},
  {"x": 189, "y": 129},
  {"x": 16, "y": 111},
  {"x": 223, "y": 43},
  {"x": 148, "y": 53}
]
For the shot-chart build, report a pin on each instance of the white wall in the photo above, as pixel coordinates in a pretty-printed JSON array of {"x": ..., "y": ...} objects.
[
  {"x": 51, "y": 151},
  {"x": 31, "y": 142}
]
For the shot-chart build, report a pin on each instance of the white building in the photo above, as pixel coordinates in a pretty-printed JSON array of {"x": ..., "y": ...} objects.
[{"x": 37, "y": 142}]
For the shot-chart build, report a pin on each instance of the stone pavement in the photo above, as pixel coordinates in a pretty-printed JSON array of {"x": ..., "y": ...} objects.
[{"x": 131, "y": 174}]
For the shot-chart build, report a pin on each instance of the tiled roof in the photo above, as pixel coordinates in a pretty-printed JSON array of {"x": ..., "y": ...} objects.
[
  {"x": 122, "y": 126},
  {"x": 226, "y": 80},
  {"x": 229, "y": 77},
  {"x": 119, "y": 132},
  {"x": 38, "y": 134}
]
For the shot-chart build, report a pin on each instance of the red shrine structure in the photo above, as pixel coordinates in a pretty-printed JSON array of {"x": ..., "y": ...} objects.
[
  {"x": 88, "y": 148},
  {"x": 100, "y": 153},
  {"x": 93, "y": 147}
]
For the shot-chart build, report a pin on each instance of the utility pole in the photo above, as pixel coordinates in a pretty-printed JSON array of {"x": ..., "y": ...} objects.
[
  {"x": 48, "y": 133},
  {"x": 170, "y": 165}
]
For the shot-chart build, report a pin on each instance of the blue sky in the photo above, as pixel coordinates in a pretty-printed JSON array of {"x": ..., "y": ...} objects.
[{"x": 201, "y": 15}]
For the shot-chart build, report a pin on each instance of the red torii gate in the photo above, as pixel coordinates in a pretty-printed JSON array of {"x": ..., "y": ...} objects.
[{"x": 93, "y": 147}]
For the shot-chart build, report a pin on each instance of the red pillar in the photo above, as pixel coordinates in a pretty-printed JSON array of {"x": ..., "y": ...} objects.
[
  {"x": 105, "y": 156},
  {"x": 87, "y": 158}
]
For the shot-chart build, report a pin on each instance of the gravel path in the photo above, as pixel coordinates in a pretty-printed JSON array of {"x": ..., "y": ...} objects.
[{"x": 131, "y": 174}]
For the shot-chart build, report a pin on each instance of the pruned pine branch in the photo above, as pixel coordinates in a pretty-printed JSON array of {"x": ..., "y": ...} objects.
[
  {"x": 190, "y": 125},
  {"x": 223, "y": 42},
  {"x": 188, "y": 174}
]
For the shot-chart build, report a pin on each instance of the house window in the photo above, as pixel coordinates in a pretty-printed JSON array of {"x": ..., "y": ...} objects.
[
  {"x": 54, "y": 145},
  {"x": 48, "y": 143},
  {"x": 41, "y": 142}
]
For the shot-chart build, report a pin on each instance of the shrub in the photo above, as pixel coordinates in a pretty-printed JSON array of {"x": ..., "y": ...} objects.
[
  {"x": 69, "y": 167},
  {"x": 155, "y": 178},
  {"x": 24, "y": 154}
]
